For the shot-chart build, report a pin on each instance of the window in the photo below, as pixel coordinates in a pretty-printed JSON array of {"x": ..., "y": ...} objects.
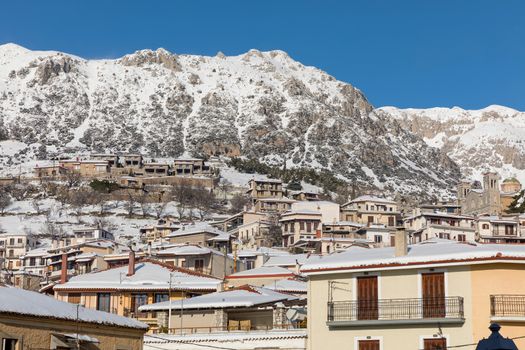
[
  {"x": 291, "y": 240},
  {"x": 301, "y": 225},
  {"x": 32, "y": 261},
  {"x": 462, "y": 238},
  {"x": 308, "y": 227},
  {"x": 370, "y": 219},
  {"x": 435, "y": 344},
  {"x": 73, "y": 298},
  {"x": 199, "y": 265},
  {"x": 104, "y": 302},
  {"x": 138, "y": 300},
  {"x": 369, "y": 345},
  {"x": 485, "y": 226},
  {"x": 9, "y": 344},
  {"x": 160, "y": 297},
  {"x": 20, "y": 240},
  {"x": 378, "y": 238},
  {"x": 12, "y": 241}
]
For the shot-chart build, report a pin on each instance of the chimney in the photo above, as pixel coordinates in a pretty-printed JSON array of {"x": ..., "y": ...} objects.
[
  {"x": 63, "y": 272},
  {"x": 400, "y": 242},
  {"x": 131, "y": 264}
]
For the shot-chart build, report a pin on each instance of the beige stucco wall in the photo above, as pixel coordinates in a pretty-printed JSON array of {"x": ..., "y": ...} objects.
[
  {"x": 36, "y": 333},
  {"x": 493, "y": 280},
  {"x": 391, "y": 284}
]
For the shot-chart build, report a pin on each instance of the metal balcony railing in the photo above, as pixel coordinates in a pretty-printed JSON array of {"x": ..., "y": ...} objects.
[
  {"x": 396, "y": 309},
  {"x": 507, "y": 305}
]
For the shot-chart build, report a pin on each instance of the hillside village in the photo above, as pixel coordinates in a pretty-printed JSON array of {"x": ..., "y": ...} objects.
[{"x": 180, "y": 253}]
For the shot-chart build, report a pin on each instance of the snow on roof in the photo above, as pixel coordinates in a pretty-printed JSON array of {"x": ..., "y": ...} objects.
[
  {"x": 193, "y": 229},
  {"x": 265, "y": 179},
  {"x": 263, "y": 271},
  {"x": 148, "y": 276},
  {"x": 276, "y": 199},
  {"x": 236, "y": 338},
  {"x": 286, "y": 260},
  {"x": 369, "y": 198},
  {"x": 245, "y": 296},
  {"x": 187, "y": 249},
  {"x": 261, "y": 251},
  {"x": 23, "y": 302},
  {"x": 288, "y": 285},
  {"x": 428, "y": 252},
  {"x": 300, "y": 212},
  {"x": 343, "y": 223}
]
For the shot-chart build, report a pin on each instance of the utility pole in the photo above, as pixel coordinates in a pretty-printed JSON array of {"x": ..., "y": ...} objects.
[{"x": 169, "y": 299}]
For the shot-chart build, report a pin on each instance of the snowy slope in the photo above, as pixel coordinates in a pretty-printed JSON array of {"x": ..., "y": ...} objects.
[
  {"x": 261, "y": 105},
  {"x": 492, "y": 138}
]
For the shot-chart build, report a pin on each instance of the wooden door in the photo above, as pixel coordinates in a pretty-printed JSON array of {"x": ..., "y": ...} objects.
[
  {"x": 369, "y": 345},
  {"x": 433, "y": 290},
  {"x": 435, "y": 344},
  {"x": 367, "y": 298}
]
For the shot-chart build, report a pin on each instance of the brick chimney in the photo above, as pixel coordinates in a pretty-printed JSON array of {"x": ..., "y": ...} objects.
[
  {"x": 131, "y": 264},
  {"x": 63, "y": 272},
  {"x": 401, "y": 242}
]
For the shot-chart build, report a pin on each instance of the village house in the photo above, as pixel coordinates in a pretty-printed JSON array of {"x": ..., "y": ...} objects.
[
  {"x": 265, "y": 188},
  {"x": 196, "y": 234},
  {"x": 244, "y": 308},
  {"x": 30, "y": 320},
  {"x": 191, "y": 167},
  {"x": 112, "y": 159},
  {"x": 501, "y": 229},
  {"x": 198, "y": 258},
  {"x": 434, "y": 294},
  {"x": 158, "y": 231},
  {"x": 132, "y": 160},
  {"x": 426, "y": 225},
  {"x": 300, "y": 224},
  {"x": 274, "y": 205},
  {"x": 155, "y": 169},
  {"x": 49, "y": 171},
  {"x": 15, "y": 245},
  {"x": 370, "y": 210},
  {"x": 254, "y": 234},
  {"x": 122, "y": 290},
  {"x": 254, "y": 258},
  {"x": 259, "y": 276},
  {"x": 86, "y": 168},
  {"x": 86, "y": 234},
  {"x": 303, "y": 195}
]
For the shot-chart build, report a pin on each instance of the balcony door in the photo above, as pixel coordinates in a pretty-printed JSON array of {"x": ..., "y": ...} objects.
[
  {"x": 433, "y": 293},
  {"x": 435, "y": 344},
  {"x": 369, "y": 345},
  {"x": 367, "y": 298}
]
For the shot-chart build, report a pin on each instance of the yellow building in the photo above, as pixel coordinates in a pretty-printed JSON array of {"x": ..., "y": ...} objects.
[
  {"x": 122, "y": 290},
  {"x": 29, "y": 320},
  {"x": 423, "y": 296}
]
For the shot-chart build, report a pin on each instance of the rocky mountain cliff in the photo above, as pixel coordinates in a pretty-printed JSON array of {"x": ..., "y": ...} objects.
[
  {"x": 492, "y": 138},
  {"x": 260, "y": 105}
]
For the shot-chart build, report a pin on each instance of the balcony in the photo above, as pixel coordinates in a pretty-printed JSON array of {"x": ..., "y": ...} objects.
[
  {"x": 395, "y": 311},
  {"x": 507, "y": 308}
]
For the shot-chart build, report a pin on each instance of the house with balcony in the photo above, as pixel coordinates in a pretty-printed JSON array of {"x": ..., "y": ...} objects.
[
  {"x": 14, "y": 246},
  {"x": 112, "y": 159},
  {"x": 155, "y": 169},
  {"x": 254, "y": 234},
  {"x": 429, "y": 295},
  {"x": 30, "y": 320},
  {"x": 264, "y": 188},
  {"x": 501, "y": 229},
  {"x": 132, "y": 160},
  {"x": 122, "y": 290},
  {"x": 49, "y": 171},
  {"x": 191, "y": 167},
  {"x": 198, "y": 258},
  {"x": 86, "y": 168},
  {"x": 158, "y": 231},
  {"x": 300, "y": 225},
  {"x": 422, "y": 226},
  {"x": 369, "y": 210},
  {"x": 272, "y": 205},
  {"x": 244, "y": 308}
]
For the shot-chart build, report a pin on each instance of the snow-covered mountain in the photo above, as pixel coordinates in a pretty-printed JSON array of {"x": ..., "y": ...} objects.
[
  {"x": 260, "y": 105},
  {"x": 492, "y": 138}
]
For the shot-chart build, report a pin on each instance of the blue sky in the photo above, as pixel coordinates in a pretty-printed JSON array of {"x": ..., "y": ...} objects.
[{"x": 420, "y": 53}]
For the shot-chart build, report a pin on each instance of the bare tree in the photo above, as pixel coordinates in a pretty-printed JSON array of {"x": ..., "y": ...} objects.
[
  {"x": 73, "y": 179},
  {"x": 78, "y": 200},
  {"x": 238, "y": 202},
  {"x": 142, "y": 199},
  {"x": 130, "y": 204},
  {"x": 160, "y": 207},
  {"x": 224, "y": 187},
  {"x": 5, "y": 201},
  {"x": 99, "y": 199},
  {"x": 203, "y": 200},
  {"x": 37, "y": 205},
  {"x": 343, "y": 194},
  {"x": 182, "y": 194}
]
